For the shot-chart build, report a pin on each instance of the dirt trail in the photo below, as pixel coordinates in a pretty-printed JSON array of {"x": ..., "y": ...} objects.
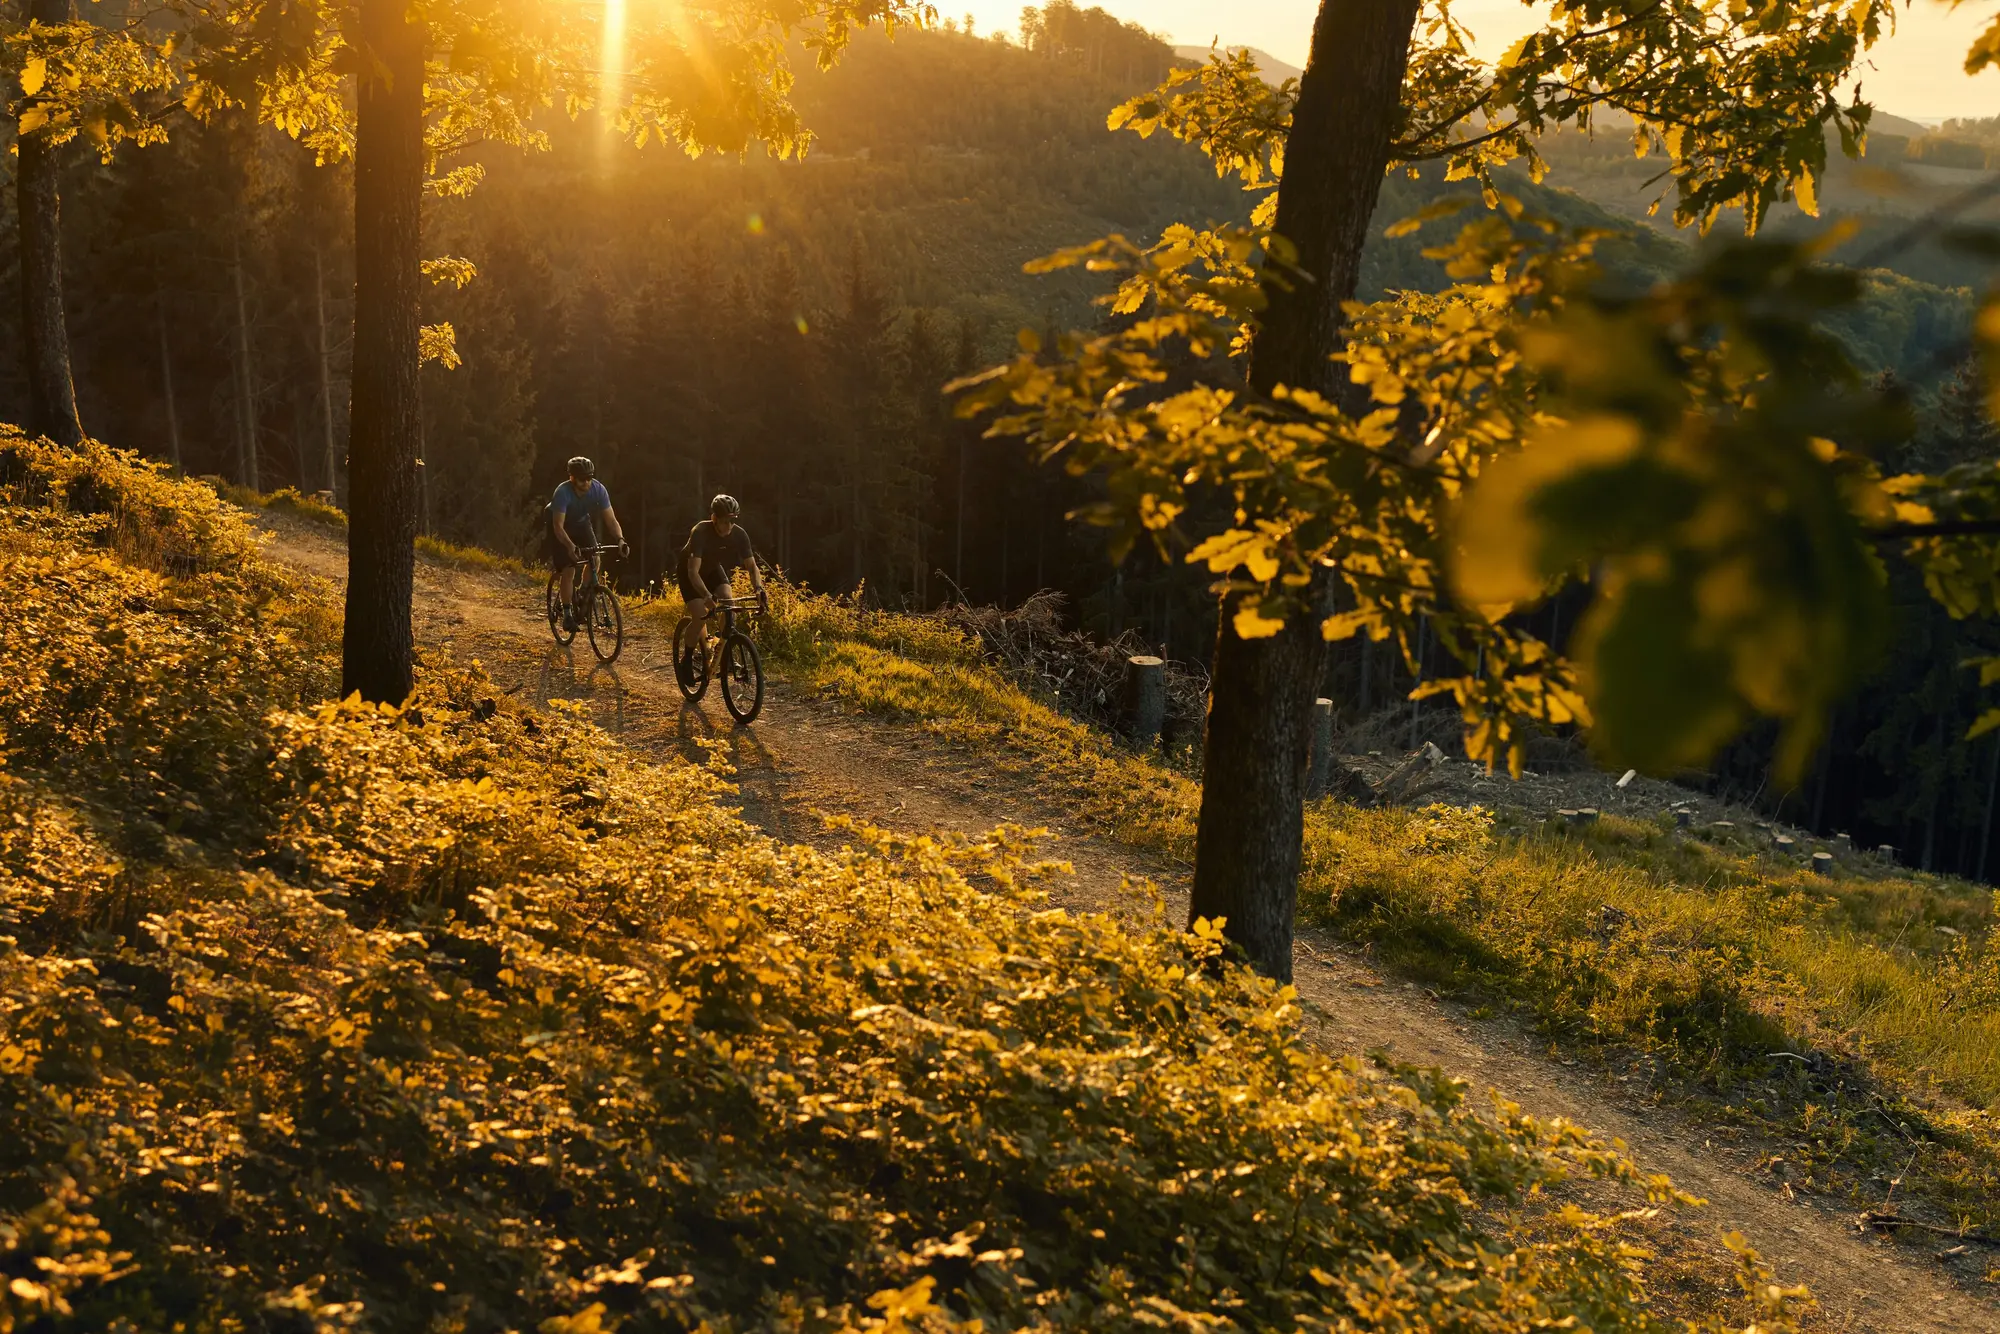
[{"x": 802, "y": 758}]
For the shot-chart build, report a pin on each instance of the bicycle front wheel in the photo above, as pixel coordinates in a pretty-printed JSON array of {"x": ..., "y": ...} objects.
[
  {"x": 742, "y": 678},
  {"x": 606, "y": 624},
  {"x": 690, "y": 664},
  {"x": 562, "y": 633}
]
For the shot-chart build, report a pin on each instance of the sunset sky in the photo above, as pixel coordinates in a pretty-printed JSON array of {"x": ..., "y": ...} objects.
[{"x": 1917, "y": 73}]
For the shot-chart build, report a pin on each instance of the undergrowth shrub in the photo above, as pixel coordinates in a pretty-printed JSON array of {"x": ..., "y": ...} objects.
[
  {"x": 478, "y": 1023},
  {"x": 120, "y": 503}
]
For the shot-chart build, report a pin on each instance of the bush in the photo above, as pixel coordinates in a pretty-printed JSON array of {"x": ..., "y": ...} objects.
[{"x": 461, "y": 1018}]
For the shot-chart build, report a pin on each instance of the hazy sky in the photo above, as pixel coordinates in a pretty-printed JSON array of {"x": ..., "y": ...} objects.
[{"x": 1917, "y": 73}]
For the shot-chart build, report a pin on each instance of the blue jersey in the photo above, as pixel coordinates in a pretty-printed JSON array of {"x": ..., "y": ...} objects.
[
  {"x": 579, "y": 507},
  {"x": 574, "y": 504}
]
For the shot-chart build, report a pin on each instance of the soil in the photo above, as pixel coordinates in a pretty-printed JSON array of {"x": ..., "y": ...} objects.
[{"x": 803, "y": 760}]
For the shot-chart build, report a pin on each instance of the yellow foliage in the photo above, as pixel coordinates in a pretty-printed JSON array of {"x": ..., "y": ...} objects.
[{"x": 460, "y": 1016}]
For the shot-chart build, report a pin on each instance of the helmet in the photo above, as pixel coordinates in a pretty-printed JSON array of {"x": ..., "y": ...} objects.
[
  {"x": 724, "y": 505},
  {"x": 582, "y": 467}
]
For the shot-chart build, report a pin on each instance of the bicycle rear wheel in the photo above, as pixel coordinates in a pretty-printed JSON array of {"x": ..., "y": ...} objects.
[
  {"x": 605, "y": 622},
  {"x": 555, "y": 610},
  {"x": 690, "y": 665},
  {"x": 742, "y": 678}
]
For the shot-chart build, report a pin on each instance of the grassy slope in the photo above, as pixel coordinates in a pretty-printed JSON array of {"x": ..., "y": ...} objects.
[
  {"x": 1888, "y": 985},
  {"x": 322, "y": 1016}
]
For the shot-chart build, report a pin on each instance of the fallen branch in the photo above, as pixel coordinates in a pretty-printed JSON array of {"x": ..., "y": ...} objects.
[{"x": 1876, "y": 1220}]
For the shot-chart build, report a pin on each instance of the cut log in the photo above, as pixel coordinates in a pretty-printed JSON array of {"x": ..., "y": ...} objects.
[
  {"x": 1320, "y": 767},
  {"x": 1416, "y": 766},
  {"x": 1145, "y": 703}
]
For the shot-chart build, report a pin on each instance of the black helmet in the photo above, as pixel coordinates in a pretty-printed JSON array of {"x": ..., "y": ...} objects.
[
  {"x": 582, "y": 467},
  {"x": 724, "y": 505}
]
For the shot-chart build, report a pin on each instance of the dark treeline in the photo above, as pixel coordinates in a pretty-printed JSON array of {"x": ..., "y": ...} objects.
[
  {"x": 1098, "y": 42},
  {"x": 782, "y": 330},
  {"x": 779, "y": 330},
  {"x": 1896, "y": 768}
]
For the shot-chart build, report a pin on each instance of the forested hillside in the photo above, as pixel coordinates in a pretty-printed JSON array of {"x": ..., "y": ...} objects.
[
  {"x": 781, "y": 330},
  {"x": 776, "y": 328}
]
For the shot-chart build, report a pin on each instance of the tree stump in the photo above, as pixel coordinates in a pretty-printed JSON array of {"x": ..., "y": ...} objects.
[
  {"x": 1320, "y": 770},
  {"x": 1145, "y": 703}
]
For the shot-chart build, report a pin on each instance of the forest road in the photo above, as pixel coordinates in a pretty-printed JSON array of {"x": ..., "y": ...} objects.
[{"x": 803, "y": 758}]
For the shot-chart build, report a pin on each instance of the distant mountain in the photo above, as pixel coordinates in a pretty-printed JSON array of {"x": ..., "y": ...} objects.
[
  {"x": 1274, "y": 70},
  {"x": 1884, "y": 123}
]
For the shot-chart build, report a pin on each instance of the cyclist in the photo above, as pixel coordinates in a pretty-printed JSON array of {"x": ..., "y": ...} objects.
[
  {"x": 570, "y": 526},
  {"x": 716, "y": 548}
]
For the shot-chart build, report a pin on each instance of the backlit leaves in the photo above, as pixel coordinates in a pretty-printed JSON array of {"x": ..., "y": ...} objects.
[
  {"x": 1314, "y": 488},
  {"x": 106, "y": 85},
  {"x": 1675, "y": 450},
  {"x": 1689, "y": 467},
  {"x": 1225, "y": 108},
  {"x": 439, "y": 343}
]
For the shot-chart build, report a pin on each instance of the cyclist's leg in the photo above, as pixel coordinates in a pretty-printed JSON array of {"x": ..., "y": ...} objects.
[
  {"x": 698, "y": 608},
  {"x": 725, "y": 591},
  {"x": 583, "y": 535},
  {"x": 558, "y": 566}
]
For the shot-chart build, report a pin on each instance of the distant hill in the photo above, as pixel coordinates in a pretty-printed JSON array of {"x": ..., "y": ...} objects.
[
  {"x": 1908, "y": 170},
  {"x": 1274, "y": 70},
  {"x": 945, "y": 162}
]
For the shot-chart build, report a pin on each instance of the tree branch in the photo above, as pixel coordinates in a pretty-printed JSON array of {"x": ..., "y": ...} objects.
[{"x": 1948, "y": 528}]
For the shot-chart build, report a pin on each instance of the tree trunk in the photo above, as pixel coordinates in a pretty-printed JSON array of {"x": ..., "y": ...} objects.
[
  {"x": 958, "y": 547},
  {"x": 1254, "y": 772},
  {"x": 1992, "y": 788},
  {"x": 44, "y": 325},
  {"x": 247, "y": 471},
  {"x": 385, "y": 416},
  {"x": 325, "y": 375},
  {"x": 167, "y": 384}
]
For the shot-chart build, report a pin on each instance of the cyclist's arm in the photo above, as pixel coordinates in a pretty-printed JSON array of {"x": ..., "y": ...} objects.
[
  {"x": 756, "y": 576},
  {"x": 693, "y": 564},
  {"x": 611, "y": 522},
  {"x": 561, "y": 531}
]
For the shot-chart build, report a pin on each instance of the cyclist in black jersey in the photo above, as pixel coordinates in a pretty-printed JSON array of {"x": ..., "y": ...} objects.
[{"x": 716, "y": 548}]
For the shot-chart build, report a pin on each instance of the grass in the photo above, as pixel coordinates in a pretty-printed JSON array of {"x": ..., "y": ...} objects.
[
  {"x": 1857, "y": 1018},
  {"x": 288, "y": 500},
  {"x": 477, "y": 558}
]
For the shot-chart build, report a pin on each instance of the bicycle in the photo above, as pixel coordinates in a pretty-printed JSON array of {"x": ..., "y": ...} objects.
[
  {"x": 732, "y": 653},
  {"x": 594, "y": 607}
]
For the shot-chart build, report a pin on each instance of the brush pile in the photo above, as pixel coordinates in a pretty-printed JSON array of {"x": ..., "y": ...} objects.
[{"x": 1082, "y": 675}]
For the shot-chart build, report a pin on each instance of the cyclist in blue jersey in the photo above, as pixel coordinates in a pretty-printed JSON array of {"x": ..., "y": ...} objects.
[{"x": 571, "y": 512}]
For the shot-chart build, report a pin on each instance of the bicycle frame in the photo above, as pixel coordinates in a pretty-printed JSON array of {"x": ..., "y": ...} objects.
[{"x": 590, "y": 560}]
